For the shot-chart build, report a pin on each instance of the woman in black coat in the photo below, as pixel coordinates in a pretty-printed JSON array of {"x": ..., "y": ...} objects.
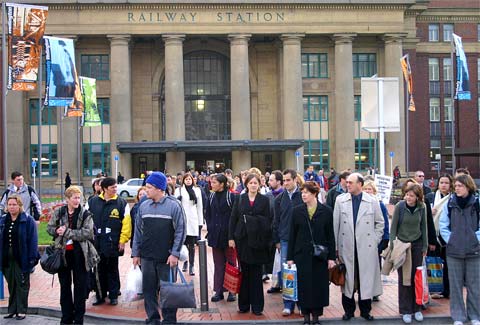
[
  {"x": 312, "y": 272},
  {"x": 250, "y": 232}
]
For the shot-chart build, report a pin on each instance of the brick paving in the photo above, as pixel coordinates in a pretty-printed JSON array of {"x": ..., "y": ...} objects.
[{"x": 42, "y": 294}]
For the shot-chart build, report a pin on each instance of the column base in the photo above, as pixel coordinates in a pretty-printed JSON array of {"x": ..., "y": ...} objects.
[
  {"x": 241, "y": 160},
  {"x": 175, "y": 162}
]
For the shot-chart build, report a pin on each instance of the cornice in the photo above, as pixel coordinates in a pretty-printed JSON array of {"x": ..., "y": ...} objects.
[
  {"x": 449, "y": 18},
  {"x": 164, "y": 6}
]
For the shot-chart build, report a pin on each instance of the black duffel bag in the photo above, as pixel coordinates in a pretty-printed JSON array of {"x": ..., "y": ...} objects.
[{"x": 52, "y": 259}]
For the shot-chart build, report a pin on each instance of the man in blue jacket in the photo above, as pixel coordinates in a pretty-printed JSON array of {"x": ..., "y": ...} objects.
[{"x": 159, "y": 235}]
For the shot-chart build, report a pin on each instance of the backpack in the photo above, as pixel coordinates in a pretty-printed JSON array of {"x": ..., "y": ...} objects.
[
  {"x": 476, "y": 206},
  {"x": 33, "y": 209},
  {"x": 229, "y": 198}
]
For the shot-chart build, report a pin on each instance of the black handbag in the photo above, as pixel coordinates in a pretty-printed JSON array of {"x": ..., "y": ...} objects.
[
  {"x": 52, "y": 259},
  {"x": 319, "y": 251},
  {"x": 177, "y": 295}
]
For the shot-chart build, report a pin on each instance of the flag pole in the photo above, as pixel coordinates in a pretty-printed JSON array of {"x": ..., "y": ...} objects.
[
  {"x": 407, "y": 127},
  {"x": 4, "y": 97},
  {"x": 452, "y": 90},
  {"x": 39, "y": 131}
]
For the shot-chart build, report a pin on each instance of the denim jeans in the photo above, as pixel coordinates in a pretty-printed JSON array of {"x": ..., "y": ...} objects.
[{"x": 283, "y": 253}]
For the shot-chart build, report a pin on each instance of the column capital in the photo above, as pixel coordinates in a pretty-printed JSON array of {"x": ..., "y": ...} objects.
[
  {"x": 170, "y": 39},
  {"x": 239, "y": 38},
  {"x": 116, "y": 39},
  {"x": 345, "y": 38},
  {"x": 393, "y": 38},
  {"x": 292, "y": 38}
]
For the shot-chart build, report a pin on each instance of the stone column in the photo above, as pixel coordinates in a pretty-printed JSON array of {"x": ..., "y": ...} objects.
[
  {"x": 17, "y": 152},
  {"x": 120, "y": 102},
  {"x": 395, "y": 141},
  {"x": 292, "y": 96},
  {"x": 342, "y": 153},
  {"x": 174, "y": 99},
  {"x": 240, "y": 99}
]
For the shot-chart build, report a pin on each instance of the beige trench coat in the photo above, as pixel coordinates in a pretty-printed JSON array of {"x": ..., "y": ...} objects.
[{"x": 368, "y": 234}]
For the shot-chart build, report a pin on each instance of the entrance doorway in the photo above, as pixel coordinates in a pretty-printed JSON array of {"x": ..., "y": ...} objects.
[{"x": 213, "y": 161}]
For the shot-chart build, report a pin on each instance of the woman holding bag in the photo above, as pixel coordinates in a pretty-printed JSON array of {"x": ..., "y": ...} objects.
[
  {"x": 72, "y": 226},
  {"x": 250, "y": 232},
  {"x": 409, "y": 225},
  {"x": 312, "y": 222},
  {"x": 18, "y": 254}
]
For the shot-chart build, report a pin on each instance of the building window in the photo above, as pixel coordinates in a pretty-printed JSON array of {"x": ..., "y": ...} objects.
[
  {"x": 357, "y": 108},
  {"x": 447, "y": 69},
  {"x": 447, "y": 104},
  {"x": 49, "y": 113},
  {"x": 433, "y": 31},
  {"x": 478, "y": 32},
  {"x": 434, "y": 109},
  {"x": 447, "y": 32},
  {"x": 315, "y": 108},
  {"x": 103, "y": 106},
  {"x": 314, "y": 65},
  {"x": 364, "y": 153},
  {"x": 433, "y": 77},
  {"x": 316, "y": 153},
  {"x": 49, "y": 159},
  {"x": 364, "y": 65},
  {"x": 96, "y": 66},
  {"x": 96, "y": 158}
]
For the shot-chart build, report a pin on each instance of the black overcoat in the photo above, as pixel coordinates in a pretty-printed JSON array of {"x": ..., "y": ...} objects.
[
  {"x": 313, "y": 285},
  {"x": 261, "y": 207}
]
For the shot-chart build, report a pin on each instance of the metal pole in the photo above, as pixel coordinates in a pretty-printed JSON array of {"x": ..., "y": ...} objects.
[
  {"x": 407, "y": 127},
  {"x": 452, "y": 88},
  {"x": 382, "y": 126},
  {"x": 78, "y": 149},
  {"x": 39, "y": 134},
  {"x": 202, "y": 250},
  {"x": 4, "y": 99},
  {"x": 60, "y": 143}
]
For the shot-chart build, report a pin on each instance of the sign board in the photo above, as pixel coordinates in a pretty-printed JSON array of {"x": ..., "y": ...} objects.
[
  {"x": 116, "y": 157},
  {"x": 392, "y": 154},
  {"x": 297, "y": 153},
  {"x": 384, "y": 187},
  {"x": 370, "y": 107},
  {"x": 34, "y": 164}
]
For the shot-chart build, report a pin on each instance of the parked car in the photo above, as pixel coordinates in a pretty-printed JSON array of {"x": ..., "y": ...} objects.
[{"x": 130, "y": 187}]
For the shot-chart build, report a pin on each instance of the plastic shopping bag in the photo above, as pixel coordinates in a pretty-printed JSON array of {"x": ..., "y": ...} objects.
[
  {"x": 290, "y": 282},
  {"x": 421, "y": 284},
  {"x": 134, "y": 284},
  {"x": 435, "y": 274},
  {"x": 277, "y": 268}
]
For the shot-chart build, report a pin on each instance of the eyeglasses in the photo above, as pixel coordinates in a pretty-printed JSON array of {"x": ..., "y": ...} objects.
[{"x": 420, "y": 175}]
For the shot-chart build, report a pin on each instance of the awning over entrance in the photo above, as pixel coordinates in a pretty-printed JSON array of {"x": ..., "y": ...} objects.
[{"x": 209, "y": 146}]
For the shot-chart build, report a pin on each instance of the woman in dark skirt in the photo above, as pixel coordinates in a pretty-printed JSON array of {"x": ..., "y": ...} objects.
[
  {"x": 18, "y": 254},
  {"x": 312, "y": 271}
]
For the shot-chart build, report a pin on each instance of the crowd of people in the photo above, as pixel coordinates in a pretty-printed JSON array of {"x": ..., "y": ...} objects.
[{"x": 314, "y": 222}]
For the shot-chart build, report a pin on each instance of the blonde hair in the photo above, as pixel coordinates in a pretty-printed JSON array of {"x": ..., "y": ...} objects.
[
  {"x": 255, "y": 170},
  {"x": 371, "y": 184},
  {"x": 73, "y": 189},
  {"x": 17, "y": 198}
]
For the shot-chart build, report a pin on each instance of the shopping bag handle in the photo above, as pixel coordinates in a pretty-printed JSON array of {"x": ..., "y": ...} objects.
[{"x": 178, "y": 271}]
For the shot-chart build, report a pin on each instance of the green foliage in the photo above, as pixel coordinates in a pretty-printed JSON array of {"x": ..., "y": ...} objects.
[{"x": 43, "y": 237}]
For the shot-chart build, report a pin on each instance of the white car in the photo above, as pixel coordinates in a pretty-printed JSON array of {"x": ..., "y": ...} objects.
[{"x": 130, "y": 187}]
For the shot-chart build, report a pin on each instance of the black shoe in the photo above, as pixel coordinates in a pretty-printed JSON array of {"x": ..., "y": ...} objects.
[
  {"x": 257, "y": 313},
  {"x": 368, "y": 317},
  {"x": 98, "y": 302},
  {"x": 346, "y": 317},
  {"x": 375, "y": 298},
  {"x": 231, "y": 297},
  {"x": 184, "y": 268},
  {"x": 217, "y": 297},
  {"x": 243, "y": 311},
  {"x": 265, "y": 278},
  {"x": 20, "y": 317},
  {"x": 306, "y": 319},
  {"x": 274, "y": 290},
  {"x": 114, "y": 301},
  {"x": 192, "y": 272},
  {"x": 9, "y": 316}
]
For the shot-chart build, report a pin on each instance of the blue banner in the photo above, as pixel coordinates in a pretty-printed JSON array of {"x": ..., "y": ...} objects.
[
  {"x": 61, "y": 72},
  {"x": 463, "y": 88}
]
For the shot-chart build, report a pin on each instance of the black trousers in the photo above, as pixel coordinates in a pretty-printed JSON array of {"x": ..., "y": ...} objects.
[
  {"x": 348, "y": 303},
  {"x": 406, "y": 294},
  {"x": 109, "y": 277},
  {"x": 446, "y": 282},
  {"x": 73, "y": 308},
  {"x": 251, "y": 289},
  {"x": 18, "y": 286},
  {"x": 190, "y": 242}
]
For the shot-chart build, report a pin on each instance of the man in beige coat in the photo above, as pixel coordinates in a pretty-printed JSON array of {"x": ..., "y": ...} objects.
[{"x": 358, "y": 225}]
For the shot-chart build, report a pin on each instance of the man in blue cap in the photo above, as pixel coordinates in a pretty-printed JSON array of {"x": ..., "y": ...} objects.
[{"x": 159, "y": 236}]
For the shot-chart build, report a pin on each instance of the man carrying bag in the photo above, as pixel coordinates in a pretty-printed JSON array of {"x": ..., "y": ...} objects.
[{"x": 159, "y": 236}]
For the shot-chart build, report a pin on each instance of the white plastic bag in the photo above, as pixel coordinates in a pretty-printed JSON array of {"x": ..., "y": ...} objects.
[
  {"x": 183, "y": 254},
  {"x": 134, "y": 284},
  {"x": 277, "y": 267}
]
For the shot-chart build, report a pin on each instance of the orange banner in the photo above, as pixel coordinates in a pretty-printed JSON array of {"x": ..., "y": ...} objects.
[{"x": 407, "y": 74}]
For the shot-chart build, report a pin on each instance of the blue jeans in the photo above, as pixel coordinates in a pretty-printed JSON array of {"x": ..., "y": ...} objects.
[{"x": 283, "y": 253}]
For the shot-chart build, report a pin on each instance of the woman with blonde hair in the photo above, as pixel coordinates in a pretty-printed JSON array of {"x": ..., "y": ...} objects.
[{"x": 18, "y": 254}]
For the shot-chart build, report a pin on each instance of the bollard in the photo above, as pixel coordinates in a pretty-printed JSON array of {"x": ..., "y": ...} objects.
[
  {"x": 202, "y": 252},
  {"x": 2, "y": 294}
]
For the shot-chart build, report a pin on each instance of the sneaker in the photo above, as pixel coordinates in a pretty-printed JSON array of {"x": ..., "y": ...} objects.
[
  {"x": 457, "y": 322},
  {"x": 419, "y": 316},
  {"x": 407, "y": 318},
  {"x": 265, "y": 278},
  {"x": 286, "y": 312},
  {"x": 231, "y": 297},
  {"x": 217, "y": 297},
  {"x": 274, "y": 290},
  {"x": 475, "y": 322}
]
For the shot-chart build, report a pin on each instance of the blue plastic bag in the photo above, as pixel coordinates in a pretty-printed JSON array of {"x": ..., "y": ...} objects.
[
  {"x": 290, "y": 282},
  {"x": 434, "y": 274}
]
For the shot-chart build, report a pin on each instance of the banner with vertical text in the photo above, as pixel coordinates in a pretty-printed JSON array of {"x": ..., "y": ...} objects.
[{"x": 462, "y": 91}]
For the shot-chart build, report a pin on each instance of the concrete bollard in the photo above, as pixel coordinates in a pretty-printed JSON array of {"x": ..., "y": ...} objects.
[{"x": 202, "y": 250}]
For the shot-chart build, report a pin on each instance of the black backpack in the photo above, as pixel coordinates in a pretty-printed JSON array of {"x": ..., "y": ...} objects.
[{"x": 33, "y": 209}]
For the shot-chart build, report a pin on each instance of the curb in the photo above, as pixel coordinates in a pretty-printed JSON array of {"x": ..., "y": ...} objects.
[{"x": 107, "y": 319}]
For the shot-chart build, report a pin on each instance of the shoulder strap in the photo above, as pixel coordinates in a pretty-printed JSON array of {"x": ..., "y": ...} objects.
[
  {"x": 309, "y": 227},
  {"x": 212, "y": 195},
  {"x": 4, "y": 194},
  {"x": 401, "y": 213},
  {"x": 229, "y": 199},
  {"x": 31, "y": 190}
]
